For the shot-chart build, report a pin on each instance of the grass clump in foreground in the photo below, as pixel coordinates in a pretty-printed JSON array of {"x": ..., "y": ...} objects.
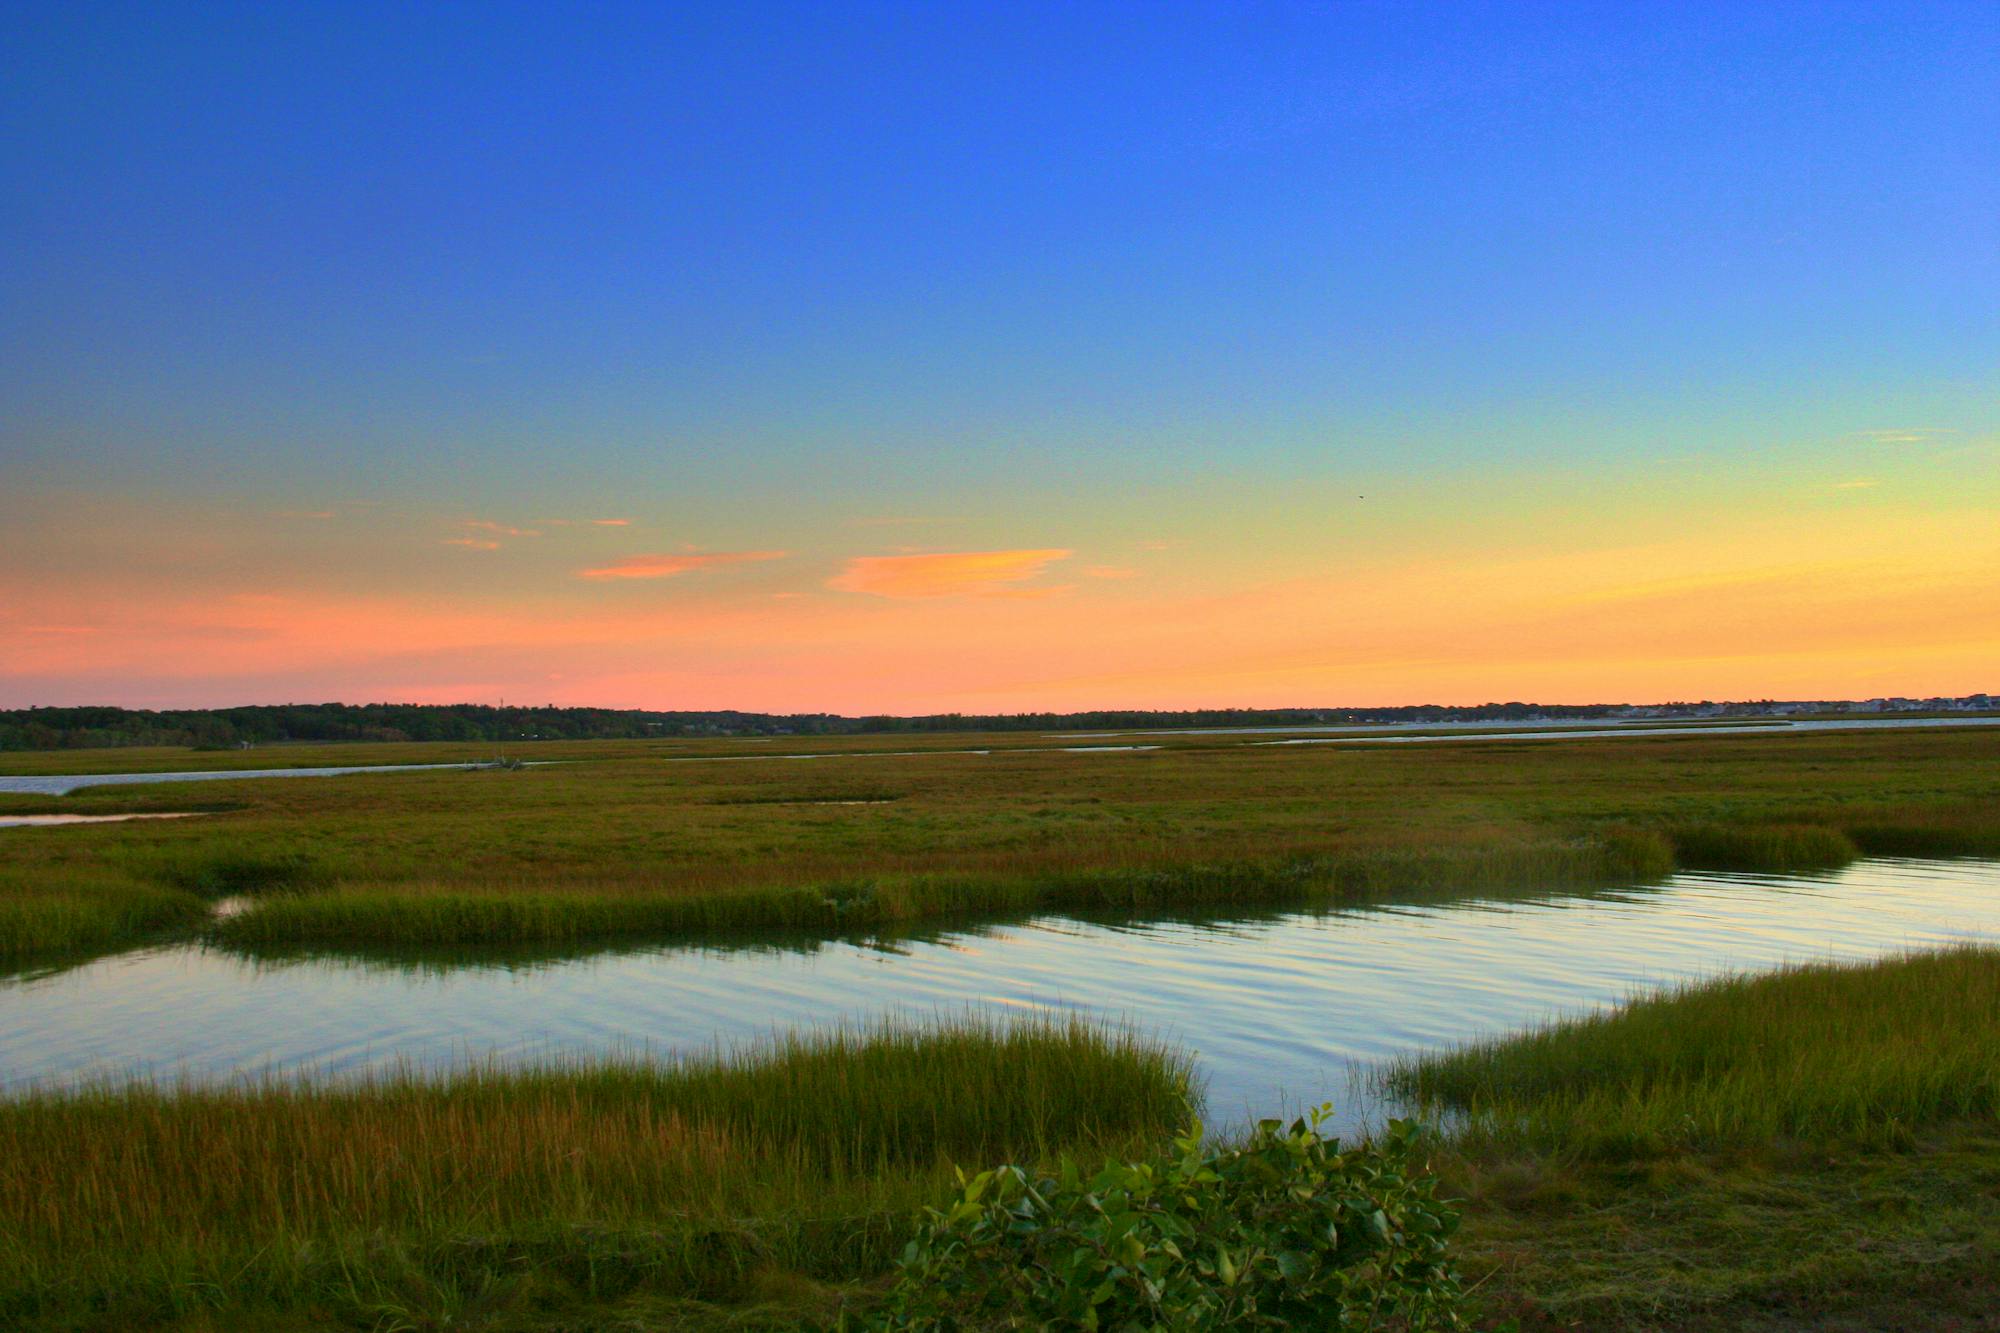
[
  {"x": 501, "y": 1198},
  {"x": 1822, "y": 1053},
  {"x": 1814, "y": 1149}
]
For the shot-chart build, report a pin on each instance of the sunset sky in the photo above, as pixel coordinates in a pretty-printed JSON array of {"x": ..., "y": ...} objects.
[{"x": 912, "y": 358}]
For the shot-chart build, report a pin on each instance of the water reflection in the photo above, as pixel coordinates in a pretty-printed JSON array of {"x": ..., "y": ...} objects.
[
  {"x": 1279, "y": 1007},
  {"x": 896, "y": 941},
  {"x": 45, "y": 821}
]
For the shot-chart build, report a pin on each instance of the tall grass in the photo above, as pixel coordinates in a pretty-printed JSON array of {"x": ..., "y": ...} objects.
[
  {"x": 1936, "y": 828},
  {"x": 233, "y": 871},
  {"x": 681, "y": 1178},
  {"x": 1819, "y": 1053},
  {"x": 85, "y": 911},
  {"x": 1762, "y": 846},
  {"x": 616, "y": 842},
  {"x": 452, "y": 914}
]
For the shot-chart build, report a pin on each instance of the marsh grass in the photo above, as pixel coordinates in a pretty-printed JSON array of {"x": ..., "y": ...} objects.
[
  {"x": 1817, "y": 1148},
  {"x": 1940, "y": 828},
  {"x": 1775, "y": 1240},
  {"x": 614, "y": 842},
  {"x": 448, "y": 914},
  {"x": 236, "y": 872},
  {"x": 1762, "y": 846},
  {"x": 1862, "y": 1054},
  {"x": 43, "y": 916},
  {"x": 686, "y": 1178}
]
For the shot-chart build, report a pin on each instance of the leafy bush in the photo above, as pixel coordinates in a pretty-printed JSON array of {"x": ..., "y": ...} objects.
[{"x": 1282, "y": 1231}]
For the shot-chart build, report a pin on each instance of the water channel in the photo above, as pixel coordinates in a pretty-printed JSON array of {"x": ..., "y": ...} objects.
[{"x": 1281, "y": 1009}]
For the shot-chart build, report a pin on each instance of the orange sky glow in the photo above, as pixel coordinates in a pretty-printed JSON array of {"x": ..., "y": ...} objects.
[{"x": 1830, "y": 601}]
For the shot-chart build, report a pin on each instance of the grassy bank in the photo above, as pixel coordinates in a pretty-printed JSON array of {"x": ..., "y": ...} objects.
[
  {"x": 44, "y": 916},
  {"x": 1816, "y": 1149},
  {"x": 540, "y": 1195},
  {"x": 432, "y": 914},
  {"x": 616, "y": 840},
  {"x": 1822, "y": 1054}
]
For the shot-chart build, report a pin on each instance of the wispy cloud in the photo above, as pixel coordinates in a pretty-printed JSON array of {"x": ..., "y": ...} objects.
[
  {"x": 497, "y": 529},
  {"x": 901, "y": 520},
  {"x": 1111, "y": 572},
  {"x": 949, "y": 574},
  {"x": 612, "y": 522},
  {"x": 1158, "y": 544},
  {"x": 473, "y": 543},
  {"x": 666, "y": 566},
  {"x": 1906, "y": 434}
]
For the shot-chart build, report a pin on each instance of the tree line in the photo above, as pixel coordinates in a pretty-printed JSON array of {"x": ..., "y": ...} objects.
[{"x": 266, "y": 724}]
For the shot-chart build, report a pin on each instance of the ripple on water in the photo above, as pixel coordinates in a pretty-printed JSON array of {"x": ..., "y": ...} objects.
[{"x": 1280, "y": 1008}]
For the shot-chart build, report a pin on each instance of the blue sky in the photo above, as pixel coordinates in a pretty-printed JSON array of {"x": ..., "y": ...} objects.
[{"x": 1070, "y": 276}]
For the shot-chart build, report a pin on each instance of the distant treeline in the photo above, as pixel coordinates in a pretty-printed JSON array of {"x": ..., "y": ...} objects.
[{"x": 81, "y": 728}]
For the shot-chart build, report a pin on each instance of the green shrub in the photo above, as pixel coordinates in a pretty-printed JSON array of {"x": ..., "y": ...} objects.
[{"x": 1281, "y": 1231}]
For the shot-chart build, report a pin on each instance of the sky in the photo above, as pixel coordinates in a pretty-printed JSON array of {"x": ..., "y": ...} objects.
[{"x": 915, "y": 358}]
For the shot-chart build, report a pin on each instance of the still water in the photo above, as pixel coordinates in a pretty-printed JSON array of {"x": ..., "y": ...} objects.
[
  {"x": 1282, "y": 1010},
  {"x": 56, "y": 821},
  {"x": 62, "y": 784}
]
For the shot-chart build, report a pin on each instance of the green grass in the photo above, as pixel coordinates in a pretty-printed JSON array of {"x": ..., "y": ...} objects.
[
  {"x": 1764, "y": 846},
  {"x": 1823, "y": 1053},
  {"x": 618, "y": 840},
  {"x": 448, "y": 914},
  {"x": 1813, "y": 1149},
  {"x": 44, "y": 917},
  {"x": 491, "y": 1196},
  {"x": 1773, "y": 1241}
]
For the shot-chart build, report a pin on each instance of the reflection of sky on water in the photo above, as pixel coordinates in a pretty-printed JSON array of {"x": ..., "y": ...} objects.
[
  {"x": 62, "y": 784},
  {"x": 53, "y": 821},
  {"x": 1355, "y": 735},
  {"x": 1277, "y": 1007}
]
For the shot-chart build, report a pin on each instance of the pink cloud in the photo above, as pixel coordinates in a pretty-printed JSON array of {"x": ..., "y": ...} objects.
[
  {"x": 497, "y": 529},
  {"x": 899, "y": 520},
  {"x": 668, "y": 566},
  {"x": 948, "y": 573},
  {"x": 612, "y": 522},
  {"x": 473, "y": 543}
]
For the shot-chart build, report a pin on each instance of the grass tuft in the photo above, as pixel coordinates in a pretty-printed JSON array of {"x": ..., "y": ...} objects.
[
  {"x": 43, "y": 917},
  {"x": 1763, "y": 847},
  {"x": 1821, "y": 1054},
  {"x": 452, "y": 914},
  {"x": 229, "y": 872},
  {"x": 682, "y": 1179}
]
